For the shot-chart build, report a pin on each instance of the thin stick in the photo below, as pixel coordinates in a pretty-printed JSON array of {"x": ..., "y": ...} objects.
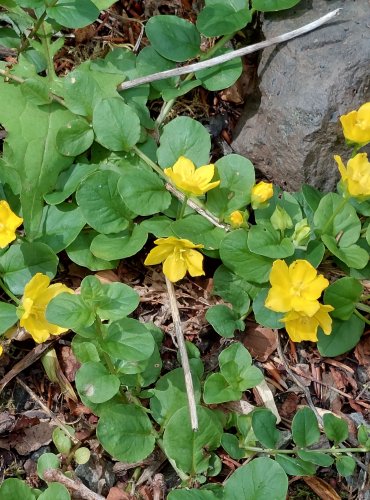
[
  {"x": 55, "y": 475},
  {"x": 184, "y": 70},
  {"x": 53, "y": 417},
  {"x": 183, "y": 354}
]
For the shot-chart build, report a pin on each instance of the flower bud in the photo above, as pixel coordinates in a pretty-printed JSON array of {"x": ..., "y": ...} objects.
[
  {"x": 280, "y": 219},
  {"x": 301, "y": 233}
]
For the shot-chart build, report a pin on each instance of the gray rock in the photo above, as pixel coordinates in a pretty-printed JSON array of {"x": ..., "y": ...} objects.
[{"x": 292, "y": 132}]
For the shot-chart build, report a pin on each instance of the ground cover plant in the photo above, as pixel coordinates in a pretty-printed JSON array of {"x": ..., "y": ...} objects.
[{"x": 90, "y": 177}]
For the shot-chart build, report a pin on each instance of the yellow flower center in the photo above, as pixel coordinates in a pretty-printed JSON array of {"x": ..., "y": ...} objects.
[{"x": 2, "y": 226}]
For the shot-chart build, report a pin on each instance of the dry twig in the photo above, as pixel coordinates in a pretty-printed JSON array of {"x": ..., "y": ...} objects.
[{"x": 71, "y": 484}]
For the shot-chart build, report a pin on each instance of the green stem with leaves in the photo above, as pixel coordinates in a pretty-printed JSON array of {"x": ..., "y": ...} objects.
[
  {"x": 361, "y": 316},
  {"x": 9, "y": 293},
  {"x": 339, "y": 208},
  {"x": 273, "y": 451}
]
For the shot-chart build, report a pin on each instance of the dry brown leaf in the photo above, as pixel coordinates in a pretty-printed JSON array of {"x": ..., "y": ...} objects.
[
  {"x": 263, "y": 392},
  {"x": 33, "y": 438},
  {"x": 107, "y": 277},
  {"x": 69, "y": 363},
  {"x": 117, "y": 494},
  {"x": 362, "y": 351},
  {"x": 321, "y": 488},
  {"x": 260, "y": 342}
]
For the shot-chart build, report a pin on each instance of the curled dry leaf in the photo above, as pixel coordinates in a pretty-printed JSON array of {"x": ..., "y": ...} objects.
[{"x": 260, "y": 342}]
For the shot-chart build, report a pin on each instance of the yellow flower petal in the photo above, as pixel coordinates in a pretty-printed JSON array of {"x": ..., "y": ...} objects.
[
  {"x": 174, "y": 267},
  {"x": 301, "y": 328},
  {"x": 158, "y": 254},
  {"x": 184, "y": 167},
  {"x": 278, "y": 299},
  {"x": 356, "y": 125},
  {"x": 279, "y": 275},
  {"x": 190, "y": 180},
  {"x": 356, "y": 177},
  {"x": 32, "y": 310},
  {"x": 194, "y": 262},
  {"x": 307, "y": 307},
  {"x": 324, "y": 319},
  {"x": 261, "y": 193},
  {"x": 9, "y": 222}
]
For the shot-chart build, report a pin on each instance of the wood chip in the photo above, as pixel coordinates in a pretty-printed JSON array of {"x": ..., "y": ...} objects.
[{"x": 321, "y": 488}]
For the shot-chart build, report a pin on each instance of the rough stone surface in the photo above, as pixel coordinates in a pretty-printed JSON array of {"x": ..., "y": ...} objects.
[{"x": 292, "y": 130}]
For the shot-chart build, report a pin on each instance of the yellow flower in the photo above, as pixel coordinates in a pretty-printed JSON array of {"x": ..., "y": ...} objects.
[
  {"x": 261, "y": 193},
  {"x": 1, "y": 350},
  {"x": 356, "y": 177},
  {"x": 302, "y": 327},
  {"x": 8, "y": 224},
  {"x": 295, "y": 288},
  {"x": 36, "y": 297},
  {"x": 191, "y": 180},
  {"x": 178, "y": 256},
  {"x": 236, "y": 219},
  {"x": 356, "y": 125}
]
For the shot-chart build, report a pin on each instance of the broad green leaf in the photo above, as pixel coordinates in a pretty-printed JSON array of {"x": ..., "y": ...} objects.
[
  {"x": 94, "y": 382},
  {"x": 188, "y": 449},
  {"x": 80, "y": 253},
  {"x": 122, "y": 130},
  {"x": 146, "y": 197},
  {"x": 218, "y": 390},
  {"x": 343, "y": 295},
  {"x": 264, "y": 316},
  {"x": 22, "y": 261},
  {"x": 81, "y": 91},
  {"x": 237, "y": 177},
  {"x": 128, "y": 340},
  {"x": 75, "y": 137},
  {"x": 103, "y": 4},
  {"x": 231, "y": 445},
  {"x": 84, "y": 351},
  {"x": 169, "y": 395},
  {"x": 82, "y": 456},
  {"x": 273, "y": 5},
  {"x": 68, "y": 182},
  {"x": 236, "y": 255},
  {"x": 344, "y": 336},
  {"x": 295, "y": 466},
  {"x": 260, "y": 479},
  {"x": 264, "y": 427},
  {"x": 149, "y": 61},
  {"x": 45, "y": 462},
  {"x": 61, "y": 440},
  {"x": 198, "y": 230},
  {"x": 224, "y": 320},
  {"x": 182, "y": 89},
  {"x": 131, "y": 442},
  {"x": 13, "y": 488},
  {"x": 172, "y": 37},
  {"x": 316, "y": 457},
  {"x": 345, "y": 227},
  {"x": 193, "y": 494},
  {"x": 69, "y": 311},
  {"x": 233, "y": 289},
  {"x": 353, "y": 255},
  {"x": 36, "y": 91},
  {"x": 265, "y": 241},
  {"x": 221, "y": 76},
  {"x": 33, "y": 153},
  {"x": 119, "y": 246},
  {"x": 60, "y": 225},
  {"x": 184, "y": 136},
  {"x": 223, "y": 18},
  {"x": 305, "y": 428},
  {"x": 101, "y": 204},
  {"x": 335, "y": 428},
  {"x": 71, "y": 14},
  {"x": 314, "y": 253},
  {"x": 345, "y": 465},
  {"x": 8, "y": 316}
]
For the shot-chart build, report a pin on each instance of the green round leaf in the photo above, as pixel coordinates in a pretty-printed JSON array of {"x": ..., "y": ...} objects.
[
  {"x": 80, "y": 253},
  {"x": 231, "y": 445},
  {"x": 273, "y": 5},
  {"x": 343, "y": 295},
  {"x": 264, "y": 316},
  {"x": 295, "y": 466},
  {"x": 131, "y": 442},
  {"x": 116, "y": 125},
  {"x": 74, "y": 137},
  {"x": 345, "y": 466},
  {"x": 224, "y": 320},
  {"x": 101, "y": 204},
  {"x": 62, "y": 441},
  {"x": 71, "y": 14},
  {"x": 143, "y": 191},
  {"x": 232, "y": 289},
  {"x": 8, "y": 316},
  {"x": 36, "y": 91},
  {"x": 353, "y": 256},
  {"x": 173, "y": 37},
  {"x": 315, "y": 457},
  {"x": 305, "y": 428},
  {"x": 221, "y": 76},
  {"x": 189, "y": 449},
  {"x": 13, "y": 488},
  {"x": 81, "y": 91},
  {"x": 61, "y": 225},
  {"x": 261, "y": 479},
  {"x": 264, "y": 240},
  {"x": 218, "y": 390},
  {"x": 170, "y": 395},
  {"x": 149, "y": 61},
  {"x": 55, "y": 491},
  {"x": 237, "y": 177},
  {"x": 335, "y": 428},
  {"x": 69, "y": 311},
  {"x": 82, "y": 456},
  {"x": 119, "y": 246},
  {"x": 264, "y": 427},
  {"x": 236, "y": 255},
  {"x": 22, "y": 261},
  {"x": 184, "y": 136},
  {"x": 223, "y": 18},
  {"x": 339, "y": 341},
  {"x": 94, "y": 382},
  {"x": 45, "y": 462},
  {"x": 68, "y": 182}
]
